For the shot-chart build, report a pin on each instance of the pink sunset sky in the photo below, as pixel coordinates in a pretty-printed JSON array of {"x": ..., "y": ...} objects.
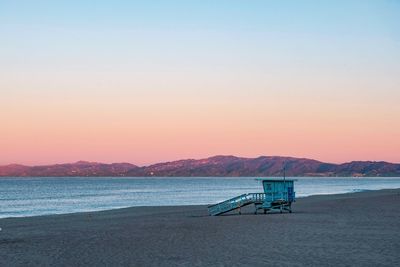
[{"x": 102, "y": 84}]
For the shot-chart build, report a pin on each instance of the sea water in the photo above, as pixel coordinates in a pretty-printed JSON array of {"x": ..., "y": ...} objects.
[{"x": 21, "y": 197}]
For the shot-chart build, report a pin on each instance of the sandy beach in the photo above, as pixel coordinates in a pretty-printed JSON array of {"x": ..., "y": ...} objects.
[{"x": 358, "y": 229}]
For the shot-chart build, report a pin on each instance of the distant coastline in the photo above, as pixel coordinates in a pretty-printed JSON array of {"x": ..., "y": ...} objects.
[{"x": 217, "y": 166}]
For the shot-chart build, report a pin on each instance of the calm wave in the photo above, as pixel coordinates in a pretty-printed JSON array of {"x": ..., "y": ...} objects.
[{"x": 40, "y": 196}]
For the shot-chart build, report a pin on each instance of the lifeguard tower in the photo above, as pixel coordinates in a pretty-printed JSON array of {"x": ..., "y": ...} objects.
[{"x": 278, "y": 196}]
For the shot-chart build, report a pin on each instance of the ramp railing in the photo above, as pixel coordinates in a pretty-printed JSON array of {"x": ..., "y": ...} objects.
[{"x": 236, "y": 203}]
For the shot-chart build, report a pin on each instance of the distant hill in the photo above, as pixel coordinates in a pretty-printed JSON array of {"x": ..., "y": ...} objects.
[
  {"x": 218, "y": 166},
  {"x": 80, "y": 168}
]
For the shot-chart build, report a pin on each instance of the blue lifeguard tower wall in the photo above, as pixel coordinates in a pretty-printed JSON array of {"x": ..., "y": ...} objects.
[{"x": 278, "y": 190}]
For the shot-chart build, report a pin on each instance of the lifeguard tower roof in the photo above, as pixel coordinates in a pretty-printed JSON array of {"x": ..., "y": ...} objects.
[{"x": 276, "y": 179}]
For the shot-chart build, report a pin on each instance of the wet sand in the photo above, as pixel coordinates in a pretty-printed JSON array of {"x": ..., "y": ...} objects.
[{"x": 359, "y": 229}]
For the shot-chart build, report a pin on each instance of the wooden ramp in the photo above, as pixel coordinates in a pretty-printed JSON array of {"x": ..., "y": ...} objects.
[{"x": 236, "y": 203}]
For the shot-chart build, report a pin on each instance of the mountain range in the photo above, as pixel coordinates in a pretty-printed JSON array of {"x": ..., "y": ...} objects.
[{"x": 217, "y": 166}]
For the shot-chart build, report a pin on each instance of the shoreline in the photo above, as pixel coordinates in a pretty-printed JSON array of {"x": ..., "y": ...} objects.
[
  {"x": 177, "y": 206},
  {"x": 358, "y": 229}
]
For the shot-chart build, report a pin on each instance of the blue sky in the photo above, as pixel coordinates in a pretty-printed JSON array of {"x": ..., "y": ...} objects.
[{"x": 204, "y": 67}]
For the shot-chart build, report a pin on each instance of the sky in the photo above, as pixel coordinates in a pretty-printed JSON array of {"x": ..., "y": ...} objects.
[{"x": 153, "y": 81}]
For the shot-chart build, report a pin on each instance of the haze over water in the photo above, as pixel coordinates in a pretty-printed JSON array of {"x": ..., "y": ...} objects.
[{"x": 40, "y": 196}]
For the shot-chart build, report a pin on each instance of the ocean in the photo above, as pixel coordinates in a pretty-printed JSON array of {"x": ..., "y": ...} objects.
[{"x": 20, "y": 197}]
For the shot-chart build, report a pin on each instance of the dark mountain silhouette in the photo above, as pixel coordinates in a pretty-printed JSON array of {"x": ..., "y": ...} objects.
[{"x": 214, "y": 166}]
